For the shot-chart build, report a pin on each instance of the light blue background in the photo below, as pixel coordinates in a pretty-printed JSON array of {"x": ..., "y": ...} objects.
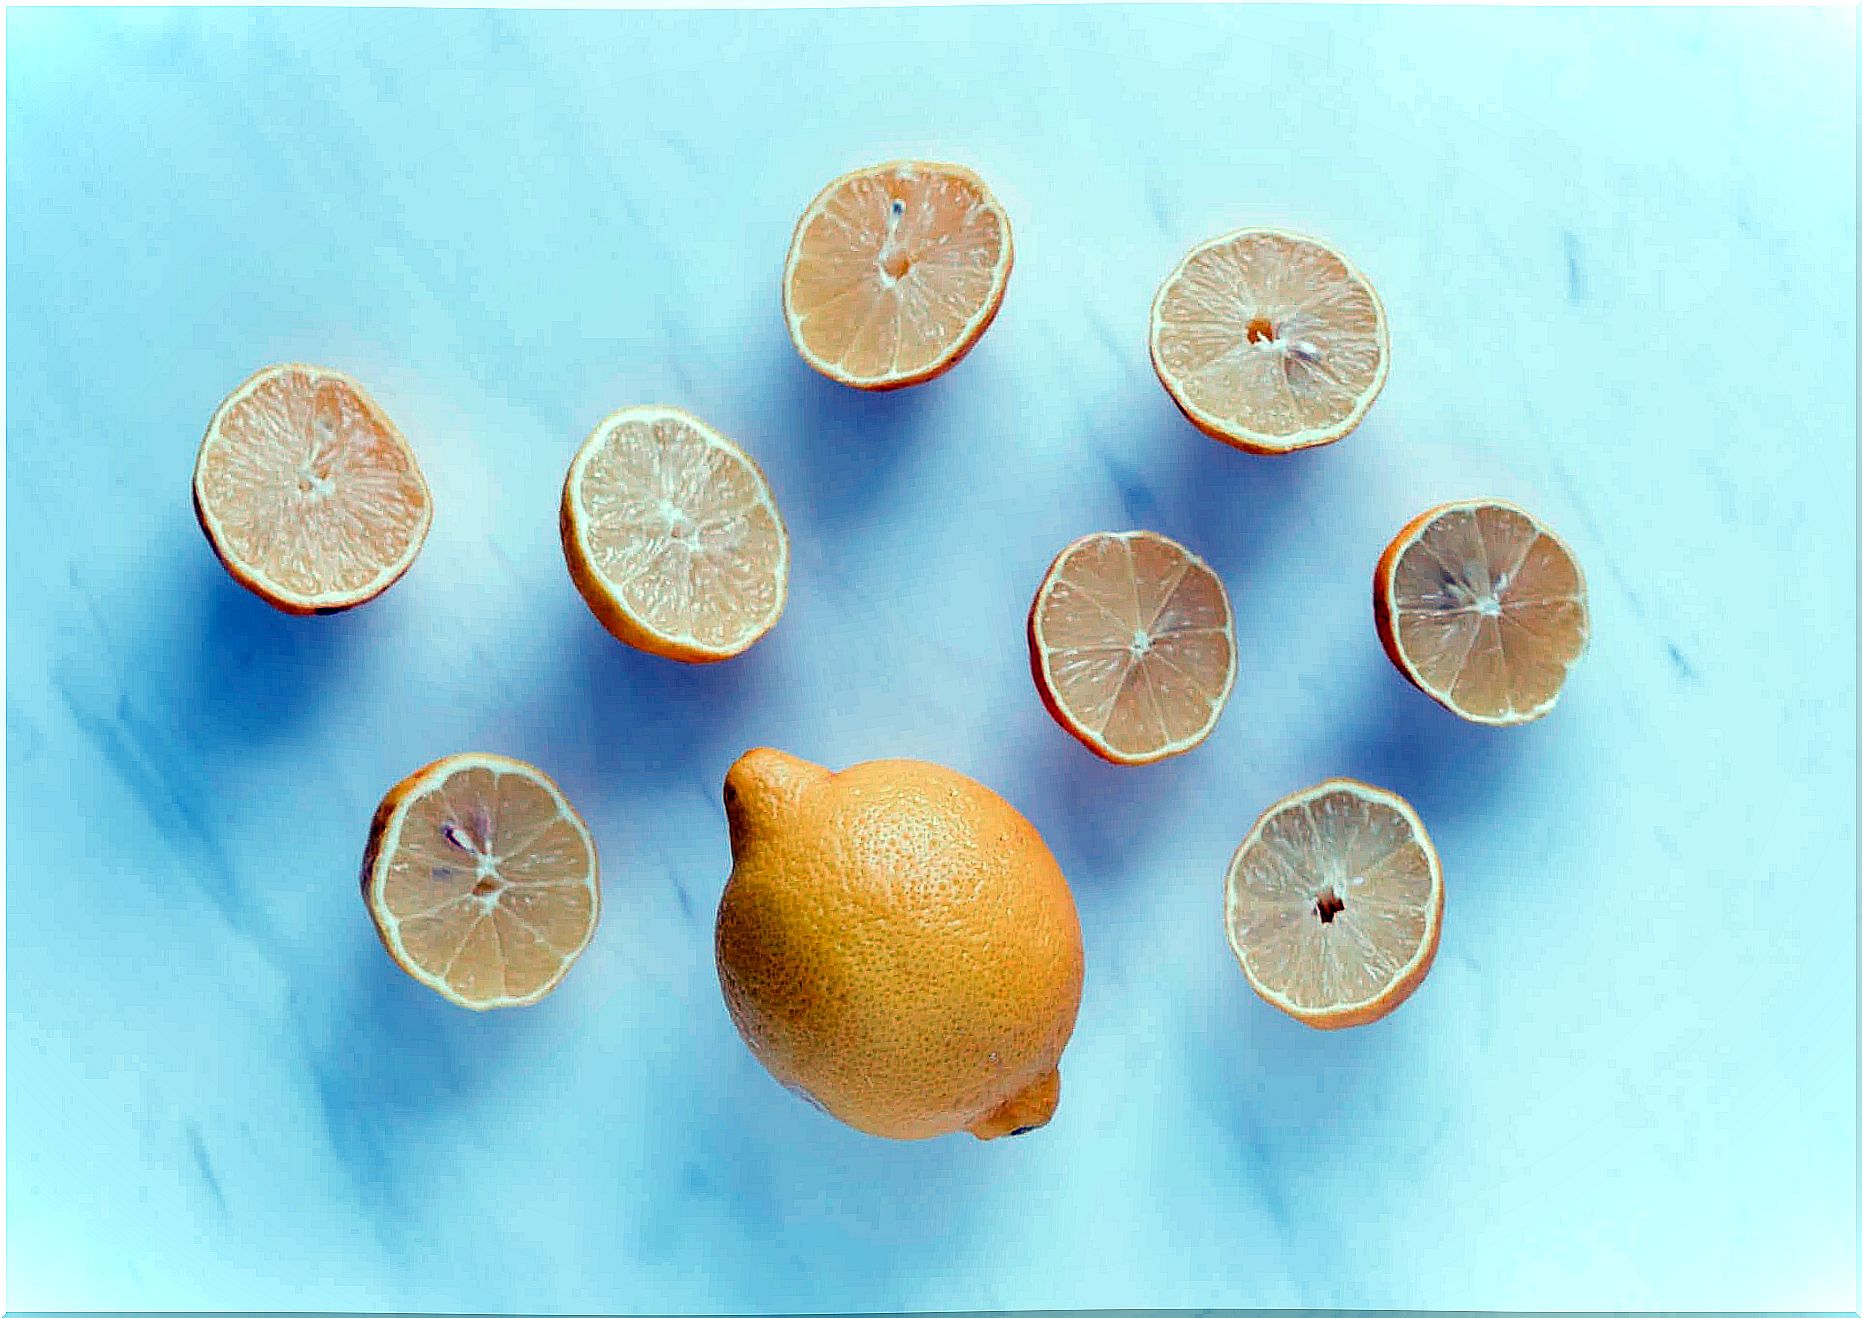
[{"x": 1618, "y": 255}]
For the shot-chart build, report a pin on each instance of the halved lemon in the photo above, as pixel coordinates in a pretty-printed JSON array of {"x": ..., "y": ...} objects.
[
  {"x": 1334, "y": 904},
  {"x": 1269, "y": 341},
  {"x": 1483, "y": 609},
  {"x": 894, "y": 273},
  {"x": 482, "y": 880},
  {"x": 1133, "y": 645},
  {"x": 307, "y": 492},
  {"x": 672, "y": 536}
]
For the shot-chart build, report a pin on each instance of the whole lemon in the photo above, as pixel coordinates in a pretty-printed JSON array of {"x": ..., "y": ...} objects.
[{"x": 898, "y": 944}]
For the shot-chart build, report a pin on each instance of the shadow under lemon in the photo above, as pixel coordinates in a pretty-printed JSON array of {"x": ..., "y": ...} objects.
[
  {"x": 1097, "y": 817},
  {"x": 833, "y": 451},
  {"x": 1117, "y": 830},
  {"x": 255, "y": 674},
  {"x": 1240, "y": 511},
  {"x": 1301, "y": 1106},
  {"x": 194, "y": 689},
  {"x": 837, "y": 1219},
  {"x": 629, "y": 726},
  {"x": 1229, "y": 508},
  {"x": 1455, "y": 773}
]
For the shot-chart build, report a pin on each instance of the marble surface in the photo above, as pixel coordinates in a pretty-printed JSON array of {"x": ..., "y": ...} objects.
[{"x": 1618, "y": 251}]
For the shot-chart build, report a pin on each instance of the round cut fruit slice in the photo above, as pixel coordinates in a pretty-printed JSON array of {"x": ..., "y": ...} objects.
[
  {"x": 1334, "y": 904},
  {"x": 307, "y": 492},
  {"x": 894, "y": 273},
  {"x": 482, "y": 880},
  {"x": 1483, "y": 609},
  {"x": 1269, "y": 341},
  {"x": 1132, "y": 645},
  {"x": 673, "y": 537}
]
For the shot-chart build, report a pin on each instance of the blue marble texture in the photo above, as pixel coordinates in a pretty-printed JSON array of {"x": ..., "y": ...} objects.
[{"x": 1618, "y": 252}]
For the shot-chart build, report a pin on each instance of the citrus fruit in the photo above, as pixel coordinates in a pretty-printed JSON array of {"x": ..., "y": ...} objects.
[
  {"x": 482, "y": 880},
  {"x": 673, "y": 537},
  {"x": 1483, "y": 609},
  {"x": 1132, "y": 645},
  {"x": 897, "y": 944},
  {"x": 1334, "y": 904},
  {"x": 1269, "y": 341},
  {"x": 307, "y": 492},
  {"x": 894, "y": 273}
]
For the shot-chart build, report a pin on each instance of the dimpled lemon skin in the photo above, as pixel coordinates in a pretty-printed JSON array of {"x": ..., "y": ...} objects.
[{"x": 897, "y": 943}]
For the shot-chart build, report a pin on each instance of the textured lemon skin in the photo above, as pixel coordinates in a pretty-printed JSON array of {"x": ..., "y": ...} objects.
[{"x": 897, "y": 943}]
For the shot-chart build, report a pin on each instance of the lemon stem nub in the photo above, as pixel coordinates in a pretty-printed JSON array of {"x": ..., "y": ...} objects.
[
  {"x": 1328, "y": 904},
  {"x": 760, "y": 785},
  {"x": 1029, "y": 1110}
]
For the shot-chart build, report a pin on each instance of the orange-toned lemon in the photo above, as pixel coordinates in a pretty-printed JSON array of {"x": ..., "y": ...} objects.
[
  {"x": 308, "y": 494},
  {"x": 1483, "y": 609},
  {"x": 1334, "y": 904},
  {"x": 897, "y": 943},
  {"x": 1270, "y": 341},
  {"x": 672, "y": 536},
  {"x": 1132, "y": 645},
  {"x": 482, "y": 880},
  {"x": 894, "y": 273}
]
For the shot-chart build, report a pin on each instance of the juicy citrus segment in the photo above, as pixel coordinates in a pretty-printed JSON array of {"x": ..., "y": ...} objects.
[
  {"x": 1132, "y": 645},
  {"x": 308, "y": 494},
  {"x": 1269, "y": 341},
  {"x": 1334, "y": 904},
  {"x": 673, "y": 537},
  {"x": 482, "y": 880},
  {"x": 1484, "y": 609},
  {"x": 894, "y": 272}
]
